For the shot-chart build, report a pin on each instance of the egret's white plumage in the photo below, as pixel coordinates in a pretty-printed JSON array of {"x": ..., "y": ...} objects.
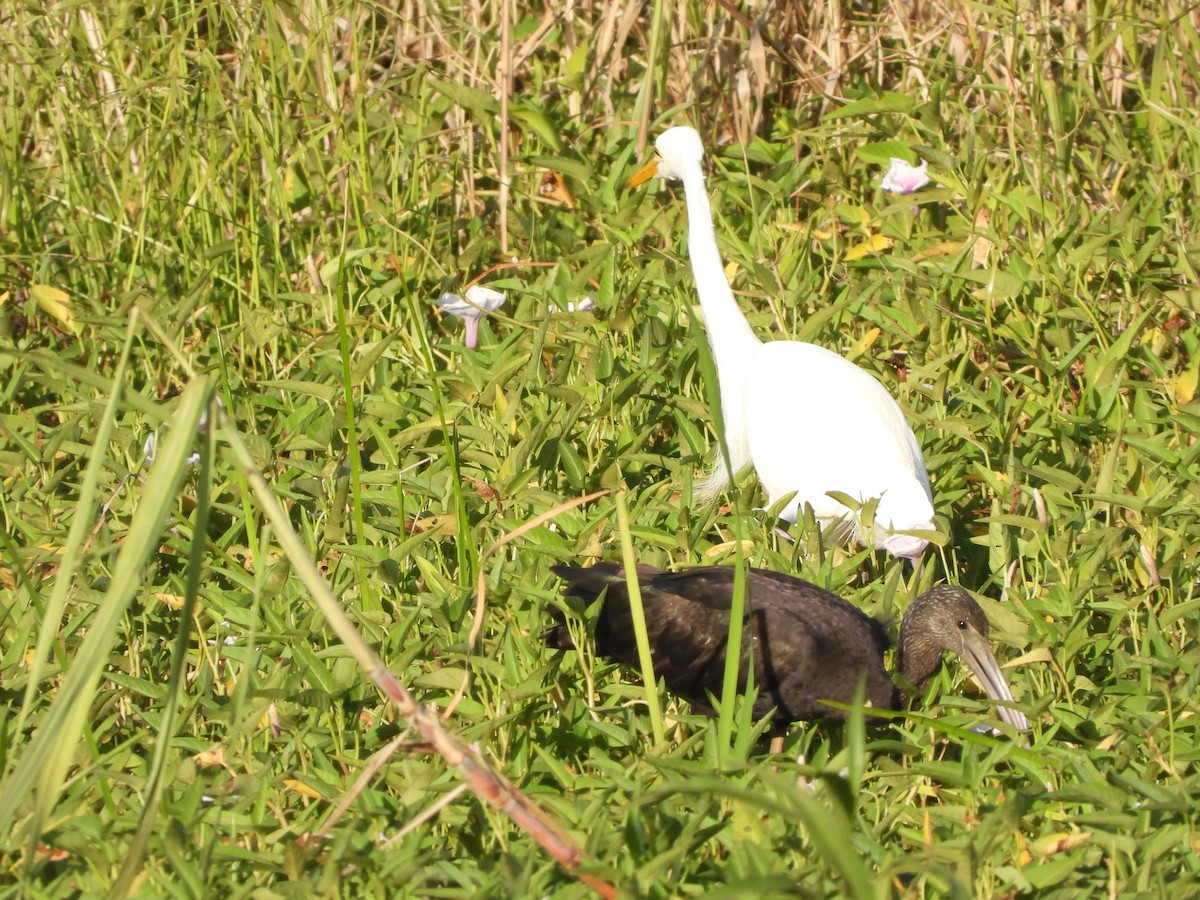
[{"x": 809, "y": 421}]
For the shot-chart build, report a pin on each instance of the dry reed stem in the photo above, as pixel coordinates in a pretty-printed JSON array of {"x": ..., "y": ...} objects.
[
  {"x": 425, "y": 815},
  {"x": 486, "y": 782},
  {"x": 505, "y": 88},
  {"x": 741, "y": 59},
  {"x": 746, "y": 55},
  {"x": 374, "y": 764},
  {"x": 481, "y": 581}
]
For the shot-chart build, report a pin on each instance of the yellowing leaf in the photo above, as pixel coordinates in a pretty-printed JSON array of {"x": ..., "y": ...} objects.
[
  {"x": 55, "y": 303},
  {"x": 819, "y": 233},
  {"x": 1186, "y": 382},
  {"x": 270, "y": 719},
  {"x": 47, "y": 294},
  {"x": 863, "y": 344},
  {"x": 945, "y": 248},
  {"x": 746, "y": 822},
  {"x": 1057, "y": 843},
  {"x": 301, "y": 788},
  {"x": 874, "y": 244},
  {"x": 436, "y": 524},
  {"x": 51, "y": 854},
  {"x": 718, "y": 549},
  {"x": 731, "y": 269},
  {"x": 171, "y": 601},
  {"x": 553, "y": 187},
  {"x": 207, "y": 759},
  {"x": 1037, "y": 655},
  {"x": 398, "y": 265},
  {"x": 982, "y": 247}
]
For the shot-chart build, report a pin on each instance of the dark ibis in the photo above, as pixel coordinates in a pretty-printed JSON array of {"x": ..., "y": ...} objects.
[{"x": 809, "y": 646}]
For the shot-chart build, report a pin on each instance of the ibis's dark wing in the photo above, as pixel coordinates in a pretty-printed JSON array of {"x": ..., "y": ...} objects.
[
  {"x": 822, "y": 612},
  {"x": 588, "y": 584},
  {"x": 807, "y": 644}
]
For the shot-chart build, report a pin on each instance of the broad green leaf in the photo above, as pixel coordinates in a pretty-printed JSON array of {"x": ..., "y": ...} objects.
[
  {"x": 887, "y": 102},
  {"x": 479, "y": 104},
  {"x": 539, "y": 123},
  {"x": 881, "y": 153}
]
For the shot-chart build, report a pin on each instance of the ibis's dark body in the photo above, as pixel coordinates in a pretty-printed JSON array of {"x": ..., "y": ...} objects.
[{"x": 807, "y": 645}]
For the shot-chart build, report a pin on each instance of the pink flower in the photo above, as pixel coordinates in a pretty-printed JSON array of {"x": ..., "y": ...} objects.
[
  {"x": 904, "y": 178},
  {"x": 480, "y": 301}
]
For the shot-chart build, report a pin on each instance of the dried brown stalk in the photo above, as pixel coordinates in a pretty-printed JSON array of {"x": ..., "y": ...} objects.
[
  {"x": 485, "y": 781},
  {"x": 481, "y": 581}
]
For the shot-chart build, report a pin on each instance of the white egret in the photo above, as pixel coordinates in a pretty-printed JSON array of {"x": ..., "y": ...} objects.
[{"x": 808, "y": 420}]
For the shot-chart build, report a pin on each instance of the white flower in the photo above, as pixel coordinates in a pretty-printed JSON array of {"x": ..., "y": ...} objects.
[
  {"x": 904, "y": 178},
  {"x": 480, "y": 300},
  {"x": 150, "y": 451},
  {"x": 587, "y": 304}
]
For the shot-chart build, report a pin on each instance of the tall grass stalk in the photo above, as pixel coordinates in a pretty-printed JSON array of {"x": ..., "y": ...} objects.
[{"x": 638, "y": 614}]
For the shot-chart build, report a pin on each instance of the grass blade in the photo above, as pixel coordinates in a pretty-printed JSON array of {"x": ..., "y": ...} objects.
[
  {"x": 157, "y": 769},
  {"x": 638, "y": 612},
  {"x": 45, "y": 762}
]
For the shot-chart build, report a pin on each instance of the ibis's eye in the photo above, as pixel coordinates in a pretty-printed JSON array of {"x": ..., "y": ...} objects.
[{"x": 962, "y": 624}]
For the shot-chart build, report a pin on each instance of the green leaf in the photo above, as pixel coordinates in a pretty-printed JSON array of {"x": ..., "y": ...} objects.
[
  {"x": 887, "y": 102},
  {"x": 480, "y": 104},
  {"x": 882, "y": 152},
  {"x": 51, "y": 749},
  {"x": 539, "y": 123}
]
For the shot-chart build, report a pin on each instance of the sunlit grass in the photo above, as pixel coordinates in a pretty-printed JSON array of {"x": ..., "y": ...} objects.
[{"x": 285, "y": 194}]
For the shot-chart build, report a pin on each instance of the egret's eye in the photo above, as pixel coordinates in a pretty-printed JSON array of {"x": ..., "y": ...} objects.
[{"x": 962, "y": 624}]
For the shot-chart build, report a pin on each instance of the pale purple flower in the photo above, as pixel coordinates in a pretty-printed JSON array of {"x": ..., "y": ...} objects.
[
  {"x": 904, "y": 178},
  {"x": 480, "y": 301}
]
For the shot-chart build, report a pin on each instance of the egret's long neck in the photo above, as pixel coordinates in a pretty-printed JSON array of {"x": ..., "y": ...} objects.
[{"x": 729, "y": 333}]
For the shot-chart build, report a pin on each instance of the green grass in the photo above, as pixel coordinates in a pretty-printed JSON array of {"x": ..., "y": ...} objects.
[{"x": 274, "y": 198}]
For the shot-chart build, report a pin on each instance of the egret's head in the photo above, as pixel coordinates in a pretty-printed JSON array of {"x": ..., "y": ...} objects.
[
  {"x": 679, "y": 151},
  {"x": 899, "y": 511},
  {"x": 905, "y": 546}
]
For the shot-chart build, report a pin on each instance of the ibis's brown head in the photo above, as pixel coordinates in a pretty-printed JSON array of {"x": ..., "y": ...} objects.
[{"x": 947, "y": 618}]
